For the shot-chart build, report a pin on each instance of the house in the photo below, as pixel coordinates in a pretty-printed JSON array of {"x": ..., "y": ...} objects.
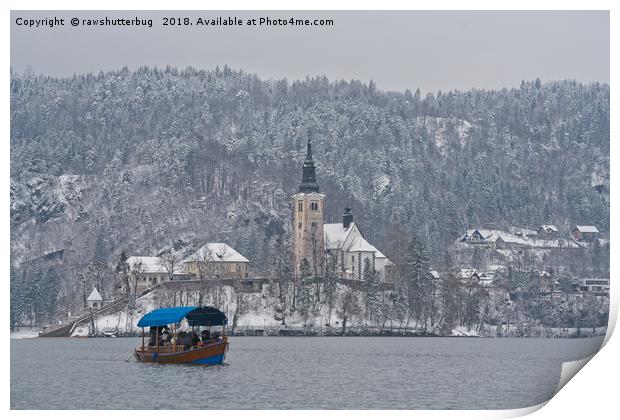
[
  {"x": 523, "y": 231},
  {"x": 215, "y": 261},
  {"x": 585, "y": 233},
  {"x": 94, "y": 300},
  {"x": 547, "y": 232},
  {"x": 500, "y": 239},
  {"x": 546, "y": 281},
  {"x": 595, "y": 286},
  {"x": 473, "y": 276},
  {"x": 146, "y": 272}
]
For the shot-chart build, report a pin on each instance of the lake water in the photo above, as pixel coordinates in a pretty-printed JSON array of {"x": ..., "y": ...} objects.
[{"x": 296, "y": 372}]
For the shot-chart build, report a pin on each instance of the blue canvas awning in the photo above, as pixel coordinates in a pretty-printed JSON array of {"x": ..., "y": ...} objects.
[
  {"x": 165, "y": 316},
  {"x": 196, "y": 316}
]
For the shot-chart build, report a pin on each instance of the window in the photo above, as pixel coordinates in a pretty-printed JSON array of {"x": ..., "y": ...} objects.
[
  {"x": 299, "y": 225},
  {"x": 300, "y": 206},
  {"x": 314, "y": 205},
  {"x": 313, "y": 225},
  {"x": 352, "y": 259}
]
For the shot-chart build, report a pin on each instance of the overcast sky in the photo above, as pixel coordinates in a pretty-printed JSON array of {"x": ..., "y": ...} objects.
[{"x": 398, "y": 50}]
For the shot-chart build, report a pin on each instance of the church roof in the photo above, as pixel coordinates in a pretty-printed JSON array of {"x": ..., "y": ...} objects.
[
  {"x": 361, "y": 245},
  {"x": 94, "y": 296},
  {"x": 335, "y": 234},
  {"x": 308, "y": 181}
]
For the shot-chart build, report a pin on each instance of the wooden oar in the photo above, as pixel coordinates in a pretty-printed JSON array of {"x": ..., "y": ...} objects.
[{"x": 132, "y": 355}]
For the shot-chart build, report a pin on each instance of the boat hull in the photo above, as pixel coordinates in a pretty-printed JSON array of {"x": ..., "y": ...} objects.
[{"x": 211, "y": 354}]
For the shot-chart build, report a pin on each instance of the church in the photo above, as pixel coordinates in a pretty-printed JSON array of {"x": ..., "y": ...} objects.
[{"x": 338, "y": 245}]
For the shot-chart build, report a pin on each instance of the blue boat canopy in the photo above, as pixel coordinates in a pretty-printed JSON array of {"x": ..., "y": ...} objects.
[{"x": 195, "y": 315}]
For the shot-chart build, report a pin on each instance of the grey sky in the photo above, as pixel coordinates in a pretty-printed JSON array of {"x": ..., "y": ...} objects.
[{"x": 430, "y": 50}]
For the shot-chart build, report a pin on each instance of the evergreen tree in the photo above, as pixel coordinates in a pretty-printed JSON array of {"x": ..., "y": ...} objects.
[
  {"x": 419, "y": 281},
  {"x": 371, "y": 286}
]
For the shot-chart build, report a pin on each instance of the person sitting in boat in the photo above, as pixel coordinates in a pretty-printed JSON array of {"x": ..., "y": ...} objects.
[
  {"x": 152, "y": 336},
  {"x": 205, "y": 335},
  {"x": 195, "y": 338},
  {"x": 165, "y": 337},
  {"x": 186, "y": 341}
]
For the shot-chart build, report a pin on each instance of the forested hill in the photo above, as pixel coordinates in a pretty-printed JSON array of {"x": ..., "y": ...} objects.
[{"x": 137, "y": 160}]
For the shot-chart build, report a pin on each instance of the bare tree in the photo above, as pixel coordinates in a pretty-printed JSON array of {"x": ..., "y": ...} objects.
[
  {"x": 96, "y": 274},
  {"x": 204, "y": 261},
  {"x": 170, "y": 261},
  {"x": 348, "y": 306},
  {"x": 281, "y": 270}
]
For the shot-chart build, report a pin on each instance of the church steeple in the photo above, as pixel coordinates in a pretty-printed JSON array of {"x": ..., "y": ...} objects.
[{"x": 308, "y": 180}]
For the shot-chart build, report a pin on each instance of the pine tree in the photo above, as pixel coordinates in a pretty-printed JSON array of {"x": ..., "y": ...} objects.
[
  {"x": 371, "y": 286},
  {"x": 419, "y": 281}
]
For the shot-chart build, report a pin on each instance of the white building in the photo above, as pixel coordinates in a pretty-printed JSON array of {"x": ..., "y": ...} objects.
[
  {"x": 500, "y": 239},
  {"x": 146, "y": 272},
  {"x": 94, "y": 300},
  {"x": 345, "y": 242},
  {"x": 338, "y": 247}
]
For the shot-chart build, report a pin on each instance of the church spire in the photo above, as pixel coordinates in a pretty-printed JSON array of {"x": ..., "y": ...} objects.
[
  {"x": 308, "y": 180},
  {"x": 309, "y": 152}
]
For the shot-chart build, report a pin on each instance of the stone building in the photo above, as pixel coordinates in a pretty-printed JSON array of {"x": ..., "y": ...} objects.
[
  {"x": 308, "y": 215},
  {"x": 216, "y": 261},
  {"x": 339, "y": 245}
]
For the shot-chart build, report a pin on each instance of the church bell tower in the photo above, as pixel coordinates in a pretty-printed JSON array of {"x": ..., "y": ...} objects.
[{"x": 308, "y": 216}]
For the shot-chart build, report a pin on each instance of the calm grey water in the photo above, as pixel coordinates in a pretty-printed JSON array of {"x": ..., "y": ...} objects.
[{"x": 296, "y": 372}]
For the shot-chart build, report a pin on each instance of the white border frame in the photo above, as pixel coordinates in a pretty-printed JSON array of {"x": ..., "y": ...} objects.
[{"x": 591, "y": 394}]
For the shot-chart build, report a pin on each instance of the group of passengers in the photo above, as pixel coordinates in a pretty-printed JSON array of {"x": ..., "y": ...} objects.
[{"x": 162, "y": 336}]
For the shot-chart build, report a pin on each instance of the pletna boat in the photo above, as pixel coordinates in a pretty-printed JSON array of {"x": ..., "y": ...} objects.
[{"x": 211, "y": 349}]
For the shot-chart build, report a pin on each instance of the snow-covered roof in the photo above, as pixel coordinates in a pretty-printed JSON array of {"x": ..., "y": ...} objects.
[
  {"x": 586, "y": 229},
  {"x": 335, "y": 234},
  {"x": 496, "y": 235},
  {"x": 350, "y": 239},
  {"x": 150, "y": 265},
  {"x": 434, "y": 274},
  {"x": 361, "y": 245},
  {"x": 465, "y": 273},
  {"x": 217, "y": 252},
  {"x": 94, "y": 296},
  {"x": 549, "y": 228}
]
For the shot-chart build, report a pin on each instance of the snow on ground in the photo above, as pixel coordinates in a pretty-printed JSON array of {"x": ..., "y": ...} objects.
[
  {"x": 439, "y": 128},
  {"x": 464, "y": 332},
  {"x": 118, "y": 321},
  {"x": 18, "y": 335}
]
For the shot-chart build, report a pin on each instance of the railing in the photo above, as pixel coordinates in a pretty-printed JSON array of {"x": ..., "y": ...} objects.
[{"x": 174, "y": 348}]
